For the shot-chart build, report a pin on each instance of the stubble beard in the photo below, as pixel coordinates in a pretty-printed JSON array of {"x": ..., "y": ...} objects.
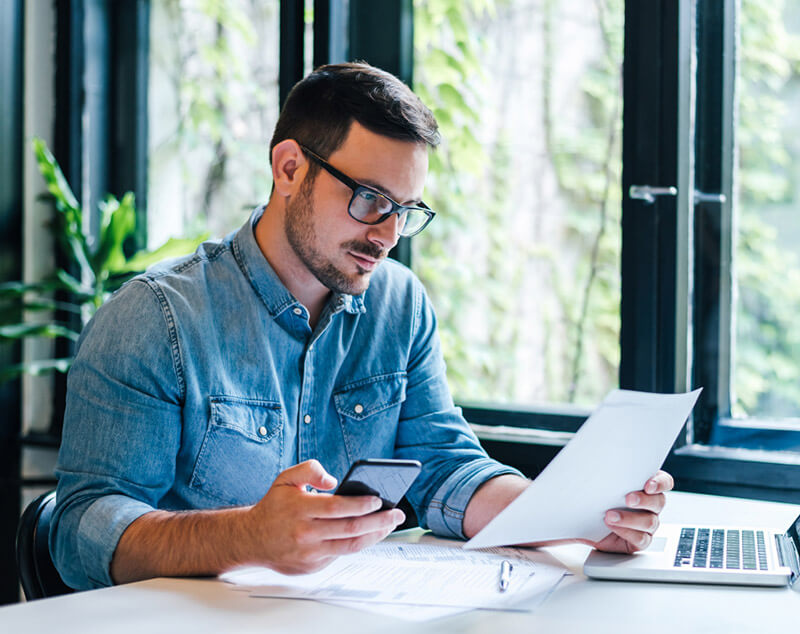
[{"x": 302, "y": 237}]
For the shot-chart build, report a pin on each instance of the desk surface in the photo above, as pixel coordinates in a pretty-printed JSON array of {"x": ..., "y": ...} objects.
[{"x": 578, "y": 604}]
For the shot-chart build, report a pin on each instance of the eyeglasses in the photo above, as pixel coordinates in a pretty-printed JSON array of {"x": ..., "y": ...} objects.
[{"x": 371, "y": 207}]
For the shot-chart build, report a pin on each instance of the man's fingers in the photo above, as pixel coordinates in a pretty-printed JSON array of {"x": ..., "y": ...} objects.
[
  {"x": 638, "y": 521},
  {"x": 327, "y": 506},
  {"x": 642, "y": 501},
  {"x": 351, "y": 545},
  {"x": 659, "y": 483},
  {"x": 308, "y": 473},
  {"x": 346, "y": 528}
]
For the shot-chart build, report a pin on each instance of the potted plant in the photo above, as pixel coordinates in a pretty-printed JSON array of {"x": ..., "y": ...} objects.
[{"x": 94, "y": 268}]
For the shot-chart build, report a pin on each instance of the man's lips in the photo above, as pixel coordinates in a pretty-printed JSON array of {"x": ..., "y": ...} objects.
[{"x": 364, "y": 261}]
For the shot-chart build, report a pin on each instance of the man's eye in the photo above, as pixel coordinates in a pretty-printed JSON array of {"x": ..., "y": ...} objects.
[{"x": 370, "y": 197}]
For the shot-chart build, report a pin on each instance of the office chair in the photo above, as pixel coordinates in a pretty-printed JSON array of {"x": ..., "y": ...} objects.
[{"x": 37, "y": 574}]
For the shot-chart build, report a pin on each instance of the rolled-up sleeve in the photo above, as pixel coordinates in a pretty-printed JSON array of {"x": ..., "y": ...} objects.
[
  {"x": 121, "y": 433},
  {"x": 433, "y": 431}
]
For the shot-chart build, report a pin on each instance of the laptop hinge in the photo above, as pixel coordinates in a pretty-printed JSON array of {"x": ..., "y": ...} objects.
[{"x": 787, "y": 553}]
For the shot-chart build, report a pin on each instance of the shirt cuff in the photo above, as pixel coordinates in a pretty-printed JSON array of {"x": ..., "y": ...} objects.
[
  {"x": 99, "y": 532},
  {"x": 445, "y": 513}
]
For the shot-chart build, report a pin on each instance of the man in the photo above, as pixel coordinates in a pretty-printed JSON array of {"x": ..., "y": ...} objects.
[{"x": 213, "y": 397}]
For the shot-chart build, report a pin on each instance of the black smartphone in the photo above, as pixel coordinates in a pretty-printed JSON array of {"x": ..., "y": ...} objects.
[{"x": 387, "y": 479}]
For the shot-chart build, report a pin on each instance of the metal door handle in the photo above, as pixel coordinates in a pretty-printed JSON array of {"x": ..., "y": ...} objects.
[
  {"x": 702, "y": 197},
  {"x": 648, "y": 194}
]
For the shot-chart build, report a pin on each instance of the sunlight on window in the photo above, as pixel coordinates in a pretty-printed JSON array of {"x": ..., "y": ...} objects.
[
  {"x": 523, "y": 260},
  {"x": 766, "y": 339},
  {"x": 213, "y": 103}
]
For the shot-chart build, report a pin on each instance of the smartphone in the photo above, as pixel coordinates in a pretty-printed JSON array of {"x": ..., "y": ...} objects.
[{"x": 387, "y": 479}]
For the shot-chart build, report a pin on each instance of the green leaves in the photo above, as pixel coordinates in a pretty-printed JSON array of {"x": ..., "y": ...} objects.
[
  {"x": 52, "y": 331},
  {"x": 172, "y": 248},
  {"x": 35, "y": 368},
  {"x": 118, "y": 222},
  {"x": 95, "y": 268}
]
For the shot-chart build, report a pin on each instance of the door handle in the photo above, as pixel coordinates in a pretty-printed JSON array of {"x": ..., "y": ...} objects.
[{"x": 648, "y": 193}]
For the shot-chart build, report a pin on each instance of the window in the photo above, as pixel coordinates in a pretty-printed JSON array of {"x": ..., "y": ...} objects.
[
  {"x": 522, "y": 262},
  {"x": 747, "y": 254},
  {"x": 213, "y": 102},
  {"x": 709, "y": 268}
]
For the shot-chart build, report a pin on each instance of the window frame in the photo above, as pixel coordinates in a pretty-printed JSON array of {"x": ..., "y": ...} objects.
[
  {"x": 661, "y": 349},
  {"x": 11, "y": 202}
]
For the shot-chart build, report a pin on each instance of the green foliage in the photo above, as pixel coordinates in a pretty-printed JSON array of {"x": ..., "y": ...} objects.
[
  {"x": 476, "y": 274},
  {"x": 93, "y": 271},
  {"x": 766, "y": 370},
  {"x": 217, "y": 101},
  {"x": 475, "y": 266}
]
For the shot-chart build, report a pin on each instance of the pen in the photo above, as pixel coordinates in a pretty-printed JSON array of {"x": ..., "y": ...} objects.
[{"x": 505, "y": 574}]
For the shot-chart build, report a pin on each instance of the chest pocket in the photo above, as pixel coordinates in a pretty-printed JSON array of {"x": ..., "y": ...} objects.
[
  {"x": 368, "y": 412},
  {"x": 242, "y": 450}
]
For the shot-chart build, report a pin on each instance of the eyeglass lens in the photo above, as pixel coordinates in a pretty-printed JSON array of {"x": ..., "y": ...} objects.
[{"x": 371, "y": 207}]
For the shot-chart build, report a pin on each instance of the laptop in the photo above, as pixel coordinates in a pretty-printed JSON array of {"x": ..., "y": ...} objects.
[{"x": 707, "y": 554}]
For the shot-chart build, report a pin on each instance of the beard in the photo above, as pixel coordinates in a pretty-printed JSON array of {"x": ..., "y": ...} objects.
[{"x": 302, "y": 237}]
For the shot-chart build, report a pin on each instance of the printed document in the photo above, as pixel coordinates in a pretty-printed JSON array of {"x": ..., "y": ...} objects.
[
  {"x": 619, "y": 447},
  {"x": 437, "y": 574}
]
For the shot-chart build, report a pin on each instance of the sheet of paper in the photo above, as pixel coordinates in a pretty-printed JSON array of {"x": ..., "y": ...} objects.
[
  {"x": 438, "y": 579},
  {"x": 622, "y": 444}
]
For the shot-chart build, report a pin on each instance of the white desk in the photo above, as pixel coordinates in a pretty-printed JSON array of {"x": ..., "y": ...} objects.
[{"x": 578, "y": 604}]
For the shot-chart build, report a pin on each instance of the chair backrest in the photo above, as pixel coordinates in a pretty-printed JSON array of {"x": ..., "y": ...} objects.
[{"x": 37, "y": 574}]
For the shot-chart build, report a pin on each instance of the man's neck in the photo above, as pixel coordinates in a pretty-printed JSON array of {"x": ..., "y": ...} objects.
[{"x": 300, "y": 282}]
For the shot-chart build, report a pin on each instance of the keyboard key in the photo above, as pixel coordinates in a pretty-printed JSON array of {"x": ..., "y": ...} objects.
[
  {"x": 717, "y": 548},
  {"x": 732, "y": 555},
  {"x": 701, "y": 548},
  {"x": 683, "y": 556}
]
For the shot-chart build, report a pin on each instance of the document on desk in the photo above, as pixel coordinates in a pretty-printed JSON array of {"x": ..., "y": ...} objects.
[
  {"x": 424, "y": 575},
  {"x": 622, "y": 444}
]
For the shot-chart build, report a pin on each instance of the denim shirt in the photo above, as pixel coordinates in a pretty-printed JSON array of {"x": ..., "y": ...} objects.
[{"x": 198, "y": 382}]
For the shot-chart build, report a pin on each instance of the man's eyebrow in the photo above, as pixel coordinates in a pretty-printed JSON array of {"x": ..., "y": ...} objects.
[{"x": 386, "y": 192}]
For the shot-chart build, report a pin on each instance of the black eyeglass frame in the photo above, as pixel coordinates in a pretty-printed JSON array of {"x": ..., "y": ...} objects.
[{"x": 397, "y": 208}]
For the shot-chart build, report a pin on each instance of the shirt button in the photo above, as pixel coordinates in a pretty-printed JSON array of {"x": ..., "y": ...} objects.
[
  {"x": 306, "y": 419},
  {"x": 310, "y": 347},
  {"x": 298, "y": 311},
  {"x": 359, "y": 408},
  {"x": 262, "y": 431}
]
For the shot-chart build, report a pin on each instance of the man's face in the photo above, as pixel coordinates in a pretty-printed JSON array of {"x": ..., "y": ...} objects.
[{"x": 338, "y": 250}]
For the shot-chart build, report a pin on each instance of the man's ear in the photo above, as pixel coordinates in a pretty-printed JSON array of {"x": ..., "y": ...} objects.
[{"x": 289, "y": 167}]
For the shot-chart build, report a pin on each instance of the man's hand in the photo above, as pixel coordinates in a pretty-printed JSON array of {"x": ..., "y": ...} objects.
[
  {"x": 633, "y": 527},
  {"x": 291, "y": 529},
  {"x": 294, "y": 530}
]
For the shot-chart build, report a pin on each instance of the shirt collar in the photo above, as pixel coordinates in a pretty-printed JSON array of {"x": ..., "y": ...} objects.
[{"x": 265, "y": 281}]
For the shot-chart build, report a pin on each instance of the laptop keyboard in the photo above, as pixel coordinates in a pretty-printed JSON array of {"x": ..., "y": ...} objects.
[{"x": 721, "y": 548}]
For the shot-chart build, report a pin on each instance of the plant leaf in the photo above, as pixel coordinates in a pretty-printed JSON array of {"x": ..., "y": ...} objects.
[
  {"x": 81, "y": 291},
  {"x": 118, "y": 223},
  {"x": 172, "y": 248},
  {"x": 71, "y": 235},
  {"x": 12, "y": 332},
  {"x": 36, "y": 368}
]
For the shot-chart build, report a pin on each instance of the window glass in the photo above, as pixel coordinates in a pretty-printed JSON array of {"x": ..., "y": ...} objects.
[
  {"x": 766, "y": 332},
  {"x": 523, "y": 259},
  {"x": 213, "y": 102}
]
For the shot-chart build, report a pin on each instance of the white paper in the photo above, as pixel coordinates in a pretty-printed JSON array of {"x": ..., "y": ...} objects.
[
  {"x": 437, "y": 579},
  {"x": 619, "y": 447}
]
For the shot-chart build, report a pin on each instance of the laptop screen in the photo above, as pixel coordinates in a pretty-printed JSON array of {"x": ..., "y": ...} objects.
[{"x": 793, "y": 533}]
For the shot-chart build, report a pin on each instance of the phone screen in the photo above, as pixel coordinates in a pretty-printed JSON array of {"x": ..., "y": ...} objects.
[{"x": 387, "y": 479}]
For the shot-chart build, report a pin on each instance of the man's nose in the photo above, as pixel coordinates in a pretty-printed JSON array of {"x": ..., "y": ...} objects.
[{"x": 385, "y": 234}]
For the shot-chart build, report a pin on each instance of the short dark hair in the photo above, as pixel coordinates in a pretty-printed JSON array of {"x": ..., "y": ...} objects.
[{"x": 322, "y": 106}]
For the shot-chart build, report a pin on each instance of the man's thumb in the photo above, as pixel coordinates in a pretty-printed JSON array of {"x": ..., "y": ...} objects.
[{"x": 308, "y": 473}]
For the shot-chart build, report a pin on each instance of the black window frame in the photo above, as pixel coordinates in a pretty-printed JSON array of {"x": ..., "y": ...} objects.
[
  {"x": 659, "y": 149},
  {"x": 12, "y": 15}
]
